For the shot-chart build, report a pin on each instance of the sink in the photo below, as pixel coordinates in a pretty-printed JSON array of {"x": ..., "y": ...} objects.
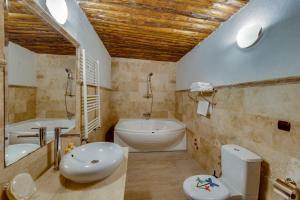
[
  {"x": 91, "y": 162},
  {"x": 17, "y": 151}
]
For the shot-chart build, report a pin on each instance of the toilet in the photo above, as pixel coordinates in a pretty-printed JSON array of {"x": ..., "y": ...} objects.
[{"x": 240, "y": 177}]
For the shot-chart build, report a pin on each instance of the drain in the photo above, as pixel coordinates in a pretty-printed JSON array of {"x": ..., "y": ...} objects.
[{"x": 94, "y": 161}]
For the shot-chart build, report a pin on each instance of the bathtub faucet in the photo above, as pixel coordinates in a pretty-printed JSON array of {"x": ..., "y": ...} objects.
[
  {"x": 42, "y": 135},
  {"x": 147, "y": 115}
]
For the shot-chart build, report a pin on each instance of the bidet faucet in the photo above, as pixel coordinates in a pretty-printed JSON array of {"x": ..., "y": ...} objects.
[{"x": 57, "y": 144}]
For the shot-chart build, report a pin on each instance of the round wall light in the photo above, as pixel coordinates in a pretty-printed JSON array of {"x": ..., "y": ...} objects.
[
  {"x": 58, "y": 9},
  {"x": 248, "y": 35}
]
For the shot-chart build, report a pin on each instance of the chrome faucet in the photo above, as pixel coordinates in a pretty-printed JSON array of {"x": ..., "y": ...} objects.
[
  {"x": 57, "y": 144},
  {"x": 42, "y": 135},
  {"x": 147, "y": 115},
  {"x": 149, "y": 94}
]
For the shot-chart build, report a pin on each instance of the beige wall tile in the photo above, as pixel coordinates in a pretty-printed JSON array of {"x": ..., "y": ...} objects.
[
  {"x": 21, "y": 103},
  {"x": 106, "y": 117},
  {"x": 51, "y": 78},
  {"x": 47, "y": 99},
  {"x": 129, "y": 85}
]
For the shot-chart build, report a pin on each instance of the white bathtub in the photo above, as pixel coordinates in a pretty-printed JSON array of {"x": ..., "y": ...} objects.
[
  {"x": 25, "y": 128},
  {"x": 150, "y": 135}
]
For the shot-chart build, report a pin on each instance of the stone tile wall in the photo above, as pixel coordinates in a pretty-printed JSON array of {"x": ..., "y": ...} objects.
[
  {"x": 106, "y": 116},
  {"x": 21, "y": 103},
  {"x": 51, "y": 79},
  {"x": 248, "y": 116},
  {"x": 129, "y": 83}
]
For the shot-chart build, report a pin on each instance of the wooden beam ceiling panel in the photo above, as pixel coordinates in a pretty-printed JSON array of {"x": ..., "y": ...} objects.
[
  {"x": 120, "y": 10},
  {"x": 153, "y": 22},
  {"x": 156, "y": 29},
  {"x": 28, "y": 30}
]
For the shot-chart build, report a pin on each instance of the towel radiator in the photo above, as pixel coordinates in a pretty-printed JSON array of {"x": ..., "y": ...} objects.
[{"x": 90, "y": 102}]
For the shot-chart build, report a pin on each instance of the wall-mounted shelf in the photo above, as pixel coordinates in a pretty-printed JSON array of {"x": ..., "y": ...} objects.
[{"x": 202, "y": 96}]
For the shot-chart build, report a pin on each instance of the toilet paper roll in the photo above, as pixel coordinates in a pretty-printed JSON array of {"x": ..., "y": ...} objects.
[
  {"x": 285, "y": 189},
  {"x": 282, "y": 194}
]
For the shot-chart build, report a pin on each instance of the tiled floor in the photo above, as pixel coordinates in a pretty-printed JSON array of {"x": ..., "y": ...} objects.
[{"x": 159, "y": 175}]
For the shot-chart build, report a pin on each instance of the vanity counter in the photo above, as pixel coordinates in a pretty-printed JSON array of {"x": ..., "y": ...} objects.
[{"x": 52, "y": 186}]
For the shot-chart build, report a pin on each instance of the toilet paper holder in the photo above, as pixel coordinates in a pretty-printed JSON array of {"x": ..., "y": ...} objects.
[{"x": 286, "y": 188}]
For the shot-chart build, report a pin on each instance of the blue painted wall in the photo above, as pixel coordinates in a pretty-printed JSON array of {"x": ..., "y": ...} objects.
[{"x": 220, "y": 61}]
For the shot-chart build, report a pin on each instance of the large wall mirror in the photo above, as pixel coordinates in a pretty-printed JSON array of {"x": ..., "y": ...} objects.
[{"x": 39, "y": 81}]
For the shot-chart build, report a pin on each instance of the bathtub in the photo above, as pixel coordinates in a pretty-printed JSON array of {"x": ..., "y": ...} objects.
[
  {"x": 150, "y": 135},
  {"x": 25, "y": 128}
]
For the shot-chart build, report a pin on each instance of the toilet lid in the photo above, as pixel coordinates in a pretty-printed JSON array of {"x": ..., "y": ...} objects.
[{"x": 205, "y": 187}]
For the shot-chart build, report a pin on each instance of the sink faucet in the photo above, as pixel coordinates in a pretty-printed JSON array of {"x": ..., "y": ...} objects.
[
  {"x": 57, "y": 144},
  {"x": 41, "y": 135}
]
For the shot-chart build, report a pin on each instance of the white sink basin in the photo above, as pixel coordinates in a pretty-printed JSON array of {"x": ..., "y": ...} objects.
[
  {"x": 91, "y": 162},
  {"x": 17, "y": 151}
]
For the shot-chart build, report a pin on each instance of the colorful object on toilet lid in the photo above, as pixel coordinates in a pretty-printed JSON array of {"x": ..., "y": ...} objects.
[{"x": 205, "y": 187}]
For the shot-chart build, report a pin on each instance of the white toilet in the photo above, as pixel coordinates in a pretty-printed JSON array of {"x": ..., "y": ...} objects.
[{"x": 240, "y": 177}]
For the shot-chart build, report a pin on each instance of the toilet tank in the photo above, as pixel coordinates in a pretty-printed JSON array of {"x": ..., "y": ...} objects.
[{"x": 241, "y": 170}]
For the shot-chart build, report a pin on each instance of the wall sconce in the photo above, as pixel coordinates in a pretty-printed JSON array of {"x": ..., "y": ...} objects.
[
  {"x": 249, "y": 35},
  {"x": 58, "y": 9}
]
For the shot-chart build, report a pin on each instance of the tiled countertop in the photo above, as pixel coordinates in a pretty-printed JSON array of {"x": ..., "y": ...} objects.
[{"x": 52, "y": 186}]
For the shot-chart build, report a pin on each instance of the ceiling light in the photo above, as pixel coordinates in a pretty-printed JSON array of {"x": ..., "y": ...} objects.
[
  {"x": 58, "y": 9},
  {"x": 248, "y": 35}
]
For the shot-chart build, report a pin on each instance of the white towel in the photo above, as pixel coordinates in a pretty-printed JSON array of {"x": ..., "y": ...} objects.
[
  {"x": 201, "y": 87},
  {"x": 203, "y": 108}
]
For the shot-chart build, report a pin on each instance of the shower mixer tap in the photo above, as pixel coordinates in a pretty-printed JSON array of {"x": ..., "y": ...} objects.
[
  {"x": 149, "y": 95},
  {"x": 69, "y": 92}
]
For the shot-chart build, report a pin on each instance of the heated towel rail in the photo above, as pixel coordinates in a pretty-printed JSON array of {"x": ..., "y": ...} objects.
[{"x": 90, "y": 75}]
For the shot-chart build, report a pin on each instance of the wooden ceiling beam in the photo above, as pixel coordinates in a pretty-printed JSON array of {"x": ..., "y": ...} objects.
[
  {"x": 161, "y": 49},
  {"x": 189, "y": 11},
  {"x": 153, "y": 30},
  {"x": 151, "y": 22},
  {"x": 116, "y": 38},
  {"x": 146, "y": 40},
  {"x": 106, "y": 27},
  {"x": 125, "y": 11},
  {"x": 137, "y": 54}
]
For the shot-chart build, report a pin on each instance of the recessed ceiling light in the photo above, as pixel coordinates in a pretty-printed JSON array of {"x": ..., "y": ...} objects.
[{"x": 58, "y": 9}]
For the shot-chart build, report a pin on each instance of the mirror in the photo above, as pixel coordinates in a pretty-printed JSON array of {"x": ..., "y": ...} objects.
[{"x": 39, "y": 82}]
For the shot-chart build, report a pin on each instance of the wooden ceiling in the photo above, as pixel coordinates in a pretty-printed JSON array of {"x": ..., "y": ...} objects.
[
  {"x": 162, "y": 30},
  {"x": 28, "y": 30}
]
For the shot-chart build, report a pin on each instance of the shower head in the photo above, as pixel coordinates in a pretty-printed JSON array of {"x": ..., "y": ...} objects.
[
  {"x": 149, "y": 76},
  {"x": 69, "y": 73}
]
